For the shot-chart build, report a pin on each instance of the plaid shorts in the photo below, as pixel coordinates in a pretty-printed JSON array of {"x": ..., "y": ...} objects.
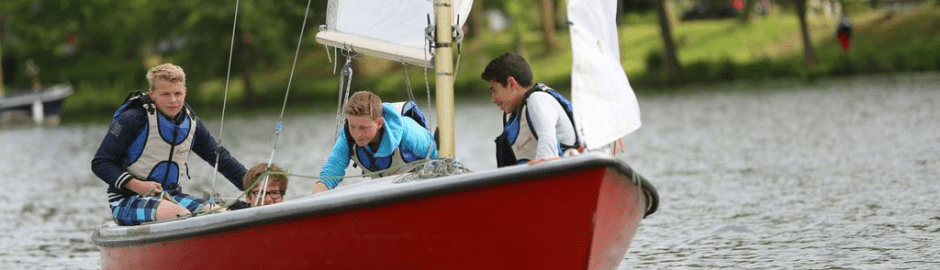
[{"x": 135, "y": 210}]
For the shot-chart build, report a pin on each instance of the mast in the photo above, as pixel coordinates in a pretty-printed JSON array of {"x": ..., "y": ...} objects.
[{"x": 444, "y": 77}]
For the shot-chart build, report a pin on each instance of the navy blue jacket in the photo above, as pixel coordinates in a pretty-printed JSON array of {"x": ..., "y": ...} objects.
[{"x": 108, "y": 163}]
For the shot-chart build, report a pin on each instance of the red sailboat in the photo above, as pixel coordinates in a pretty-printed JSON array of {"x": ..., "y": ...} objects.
[{"x": 576, "y": 212}]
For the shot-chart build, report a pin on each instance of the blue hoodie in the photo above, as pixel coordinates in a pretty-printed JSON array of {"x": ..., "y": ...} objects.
[{"x": 398, "y": 132}]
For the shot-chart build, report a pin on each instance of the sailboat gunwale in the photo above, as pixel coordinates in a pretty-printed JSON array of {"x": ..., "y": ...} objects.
[{"x": 116, "y": 236}]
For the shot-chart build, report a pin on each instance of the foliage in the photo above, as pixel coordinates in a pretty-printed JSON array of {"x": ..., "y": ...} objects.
[
  {"x": 265, "y": 36},
  {"x": 100, "y": 43},
  {"x": 68, "y": 39},
  {"x": 114, "y": 41}
]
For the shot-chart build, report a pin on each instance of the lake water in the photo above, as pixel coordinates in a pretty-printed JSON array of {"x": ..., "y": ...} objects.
[{"x": 838, "y": 174}]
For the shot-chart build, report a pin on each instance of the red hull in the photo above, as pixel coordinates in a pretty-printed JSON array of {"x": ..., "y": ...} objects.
[{"x": 579, "y": 219}]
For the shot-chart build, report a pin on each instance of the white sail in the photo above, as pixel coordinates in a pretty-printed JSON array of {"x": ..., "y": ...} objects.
[
  {"x": 390, "y": 29},
  {"x": 605, "y": 106}
]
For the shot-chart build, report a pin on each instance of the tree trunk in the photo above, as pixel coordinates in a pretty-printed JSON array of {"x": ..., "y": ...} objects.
[
  {"x": 671, "y": 60},
  {"x": 2, "y": 90},
  {"x": 809, "y": 54},
  {"x": 561, "y": 12},
  {"x": 250, "y": 99},
  {"x": 476, "y": 25},
  {"x": 747, "y": 12},
  {"x": 519, "y": 42},
  {"x": 548, "y": 26}
]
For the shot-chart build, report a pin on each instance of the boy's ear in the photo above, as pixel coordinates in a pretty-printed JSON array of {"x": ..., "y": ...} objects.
[
  {"x": 380, "y": 121},
  {"x": 511, "y": 81}
]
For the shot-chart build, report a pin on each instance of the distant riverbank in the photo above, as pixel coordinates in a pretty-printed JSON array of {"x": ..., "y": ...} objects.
[{"x": 710, "y": 52}]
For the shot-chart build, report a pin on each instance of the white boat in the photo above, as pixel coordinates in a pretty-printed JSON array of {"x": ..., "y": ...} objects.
[{"x": 29, "y": 107}]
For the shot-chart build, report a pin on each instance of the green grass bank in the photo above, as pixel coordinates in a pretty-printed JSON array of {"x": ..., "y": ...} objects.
[{"x": 709, "y": 52}]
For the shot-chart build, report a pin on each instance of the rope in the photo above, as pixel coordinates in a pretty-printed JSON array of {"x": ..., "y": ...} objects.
[
  {"x": 345, "y": 83},
  {"x": 458, "y": 37},
  {"x": 423, "y": 169},
  {"x": 416, "y": 163},
  {"x": 279, "y": 126},
  {"x": 411, "y": 96},
  {"x": 427, "y": 87},
  {"x": 244, "y": 193},
  {"x": 327, "y": 49},
  {"x": 218, "y": 149}
]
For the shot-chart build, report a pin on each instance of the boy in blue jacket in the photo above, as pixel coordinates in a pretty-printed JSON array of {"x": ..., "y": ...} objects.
[{"x": 378, "y": 139}]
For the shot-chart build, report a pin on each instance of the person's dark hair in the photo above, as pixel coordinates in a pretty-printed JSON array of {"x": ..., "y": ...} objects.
[{"x": 508, "y": 64}]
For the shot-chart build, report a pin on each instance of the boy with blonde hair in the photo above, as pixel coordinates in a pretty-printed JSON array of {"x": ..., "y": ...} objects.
[{"x": 143, "y": 156}]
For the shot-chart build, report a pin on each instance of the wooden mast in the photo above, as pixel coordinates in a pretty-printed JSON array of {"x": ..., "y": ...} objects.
[{"x": 444, "y": 77}]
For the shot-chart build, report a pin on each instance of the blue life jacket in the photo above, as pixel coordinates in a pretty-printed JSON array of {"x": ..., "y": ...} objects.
[
  {"x": 513, "y": 127},
  {"x": 160, "y": 150},
  {"x": 364, "y": 157}
]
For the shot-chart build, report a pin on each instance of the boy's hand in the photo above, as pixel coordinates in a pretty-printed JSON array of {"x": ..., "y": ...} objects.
[
  {"x": 144, "y": 188},
  {"x": 320, "y": 187}
]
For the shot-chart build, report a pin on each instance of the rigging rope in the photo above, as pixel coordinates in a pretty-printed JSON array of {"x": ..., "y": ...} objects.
[
  {"x": 449, "y": 165},
  {"x": 218, "y": 150},
  {"x": 280, "y": 119},
  {"x": 345, "y": 83},
  {"x": 411, "y": 96},
  {"x": 458, "y": 38}
]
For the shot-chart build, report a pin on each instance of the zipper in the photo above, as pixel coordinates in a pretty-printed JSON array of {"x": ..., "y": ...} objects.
[{"x": 176, "y": 131}]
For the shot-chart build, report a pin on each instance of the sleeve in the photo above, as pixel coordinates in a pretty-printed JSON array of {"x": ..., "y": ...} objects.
[
  {"x": 108, "y": 161},
  {"x": 205, "y": 146},
  {"x": 418, "y": 139},
  {"x": 335, "y": 167},
  {"x": 544, "y": 115}
]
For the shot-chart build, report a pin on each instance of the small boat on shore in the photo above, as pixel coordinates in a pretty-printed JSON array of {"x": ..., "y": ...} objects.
[{"x": 29, "y": 107}]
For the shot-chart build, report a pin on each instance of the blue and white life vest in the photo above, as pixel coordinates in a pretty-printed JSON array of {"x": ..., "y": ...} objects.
[
  {"x": 159, "y": 151},
  {"x": 364, "y": 157},
  {"x": 519, "y": 143}
]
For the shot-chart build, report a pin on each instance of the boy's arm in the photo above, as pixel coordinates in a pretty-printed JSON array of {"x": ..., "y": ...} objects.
[
  {"x": 544, "y": 117},
  {"x": 205, "y": 146},
  {"x": 335, "y": 167},
  {"x": 108, "y": 161}
]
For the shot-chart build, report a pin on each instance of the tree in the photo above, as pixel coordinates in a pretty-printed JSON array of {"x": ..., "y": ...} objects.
[
  {"x": 671, "y": 60},
  {"x": 94, "y": 41},
  {"x": 2, "y": 87},
  {"x": 747, "y": 11},
  {"x": 809, "y": 54},
  {"x": 266, "y": 34},
  {"x": 517, "y": 11},
  {"x": 475, "y": 25},
  {"x": 524, "y": 20},
  {"x": 548, "y": 26}
]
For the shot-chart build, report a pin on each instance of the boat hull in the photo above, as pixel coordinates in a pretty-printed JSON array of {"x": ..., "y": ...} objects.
[
  {"x": 18, "y": 109},
  {"x": 583, "y": 217}
]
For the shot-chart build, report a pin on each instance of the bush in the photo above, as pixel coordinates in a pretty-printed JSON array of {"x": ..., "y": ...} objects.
[
  {"x": 725, "y": 69},
  {"x": 843, "y": 66},
  {"x": 655, "y": 61},
  {"x": 697, "y": 71}
]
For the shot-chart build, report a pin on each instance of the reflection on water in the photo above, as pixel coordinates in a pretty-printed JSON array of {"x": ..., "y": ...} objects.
[{"x": 836, "y": 174}]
